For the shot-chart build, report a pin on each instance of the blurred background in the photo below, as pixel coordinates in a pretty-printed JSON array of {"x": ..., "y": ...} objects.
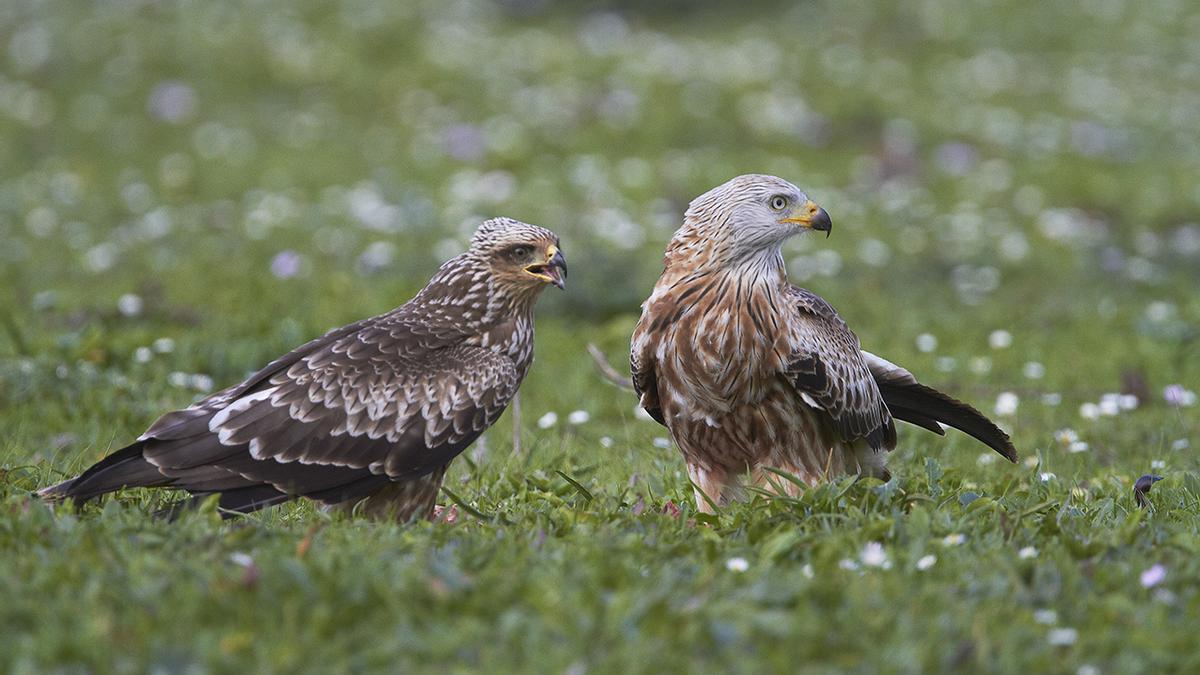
[{"x": 188, "y": 188}]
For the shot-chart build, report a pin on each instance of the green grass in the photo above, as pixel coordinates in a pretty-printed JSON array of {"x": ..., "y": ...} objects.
[{"x": 1024, "y": 169}]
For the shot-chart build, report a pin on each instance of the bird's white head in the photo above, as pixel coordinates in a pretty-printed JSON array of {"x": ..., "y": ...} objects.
[{"x": 753, "y": 214}]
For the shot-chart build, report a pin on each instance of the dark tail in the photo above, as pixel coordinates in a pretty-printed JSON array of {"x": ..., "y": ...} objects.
[
  {"x": 915, "y": 403},
  {"x": 126, "y": 467}
]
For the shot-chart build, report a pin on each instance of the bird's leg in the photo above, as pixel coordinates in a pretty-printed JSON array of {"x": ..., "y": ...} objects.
[{"x": 708, "y": 485}]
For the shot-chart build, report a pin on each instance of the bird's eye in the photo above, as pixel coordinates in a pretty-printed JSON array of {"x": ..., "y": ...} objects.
[
  {"x": 522, "y": 252},
  {"x": 778, "y": 202}
]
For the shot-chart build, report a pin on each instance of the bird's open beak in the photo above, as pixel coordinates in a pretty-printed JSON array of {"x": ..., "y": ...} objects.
[
  {"x": 554, "y": 270},
  {"x": 812, "y": 217}
]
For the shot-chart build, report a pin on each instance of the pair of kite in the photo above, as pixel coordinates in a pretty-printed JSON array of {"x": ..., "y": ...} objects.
[{"x": 749, "y": 373}]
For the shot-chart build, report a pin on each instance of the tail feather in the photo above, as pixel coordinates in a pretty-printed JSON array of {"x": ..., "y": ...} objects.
[
  {"x": 915, "y": 403},
  {"x": 920, "y": 405},
  {"x": 126, "y": 467}
]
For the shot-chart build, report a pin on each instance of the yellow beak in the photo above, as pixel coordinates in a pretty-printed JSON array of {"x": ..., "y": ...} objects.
[
  {"x": 554, "y": 270},
  {"x": 811, "y": 217}
]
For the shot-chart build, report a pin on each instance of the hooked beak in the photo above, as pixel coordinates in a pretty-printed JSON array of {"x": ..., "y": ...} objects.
[
  {"x": 811, "y": 217},
  {"x": 554, "y": 270}
]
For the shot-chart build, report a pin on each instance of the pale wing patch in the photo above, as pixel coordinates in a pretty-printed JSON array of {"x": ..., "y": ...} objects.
[{"x": 242, "y": 405}]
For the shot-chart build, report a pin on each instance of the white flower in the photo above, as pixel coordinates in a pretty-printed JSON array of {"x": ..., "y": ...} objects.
[
  {"x": 1157, "y": 464},
  {"x": 986, "y": 458},
  {"x": 1087, "y": 669},
  {"x": 1153, "y": 576},
  {"x": 662, "y": 442},
  {"x": 847, "y": 564},
  {"x": 1052, "y": 398},
  {"x": 201, "y": 383},
  {"x": 129, "y": 304},
  {"x": 954, "y": 539},
  {"x": 1027, "y": 553},
  {"x": 1047, "y": 476},
  {"x": 1034, "y": 370},
  {"x": 737, "y": 565},
  {"x": 578, "y": 417},
  {"x": 926, "y": 342},
  {"x": 1000, "y": 339},
  {"x": 1066, "y": 437},
  {"x": 1176, "y": 395},
  {"x": 548, "y": 420},
  {"x": 1110, "y": 405},
  {"x": 1046, "y": 616},
  {"x": 1089, "y": 411},
  {"x": 873, "y": 555},
  {"x": 164, "y": 345},
  {"x": 606, "y": 441},
  {"x": 1063, "y": 637},
  {"x": 1180, "y": 444},
  {"x": 926, "y": 562},
  {"x": 241, "y": 559},
  {"x": 807, "y": 571},
  {"x": 1006, "y": 404},
  {"x": 1078, "y": 446},
  {"x": 142, "y": 354}
]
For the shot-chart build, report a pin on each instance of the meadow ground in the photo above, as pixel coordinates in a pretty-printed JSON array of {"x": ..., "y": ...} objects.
[{"x": 188, "y": 189}]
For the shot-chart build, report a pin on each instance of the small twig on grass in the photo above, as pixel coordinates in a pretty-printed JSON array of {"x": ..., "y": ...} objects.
[{"x": 606, "y": 370}]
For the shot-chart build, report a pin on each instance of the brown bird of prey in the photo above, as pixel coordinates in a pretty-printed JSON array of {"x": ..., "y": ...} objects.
[
  {"x": 750, "y": 373},
  {"x": 375, "y": 410}
]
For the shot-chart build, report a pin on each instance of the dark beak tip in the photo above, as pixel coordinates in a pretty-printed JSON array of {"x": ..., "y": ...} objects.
[
  {"x": 560, "y": 263},
  {"x": 822, "y": 222}
]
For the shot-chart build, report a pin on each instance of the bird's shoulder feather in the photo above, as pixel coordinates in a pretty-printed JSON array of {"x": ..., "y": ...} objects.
[{"x": 827, "y": 368}]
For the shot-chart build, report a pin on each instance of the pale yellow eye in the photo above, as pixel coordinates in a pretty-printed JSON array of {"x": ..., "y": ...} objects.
[{"x": 778, "y": 202}]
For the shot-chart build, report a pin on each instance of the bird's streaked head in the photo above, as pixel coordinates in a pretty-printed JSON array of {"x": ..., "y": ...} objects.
[
  {"x": 523, "y": 255},
  {"x": 755, "y": 213}
]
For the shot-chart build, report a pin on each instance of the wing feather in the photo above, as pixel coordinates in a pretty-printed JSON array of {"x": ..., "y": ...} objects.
[
  {"x": 348, "y": 406},
  {"x": 828, "y": 367},
  {"x": 641, "y": 363}
]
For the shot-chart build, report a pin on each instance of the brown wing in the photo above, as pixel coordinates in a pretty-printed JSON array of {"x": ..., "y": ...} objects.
[
  {"x": 335, "y": 420},
  {"x": 377, "y": 401},
  {"x": 641, "y": 365},
  {"x": 829, "y": 371}
]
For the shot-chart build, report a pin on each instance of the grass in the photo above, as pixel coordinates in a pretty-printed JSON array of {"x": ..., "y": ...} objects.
[{"x": 189, "y": 189}]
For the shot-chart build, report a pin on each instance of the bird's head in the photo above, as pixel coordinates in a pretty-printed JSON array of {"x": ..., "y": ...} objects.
[
  {"x": 754, "y": 214},
  {"x": 521, "y": 256}
]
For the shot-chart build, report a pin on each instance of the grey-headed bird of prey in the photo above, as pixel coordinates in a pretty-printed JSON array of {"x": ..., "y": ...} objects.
[
  {"x": 751, "y": 373},
  {"x": 375, "y": 410}
]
